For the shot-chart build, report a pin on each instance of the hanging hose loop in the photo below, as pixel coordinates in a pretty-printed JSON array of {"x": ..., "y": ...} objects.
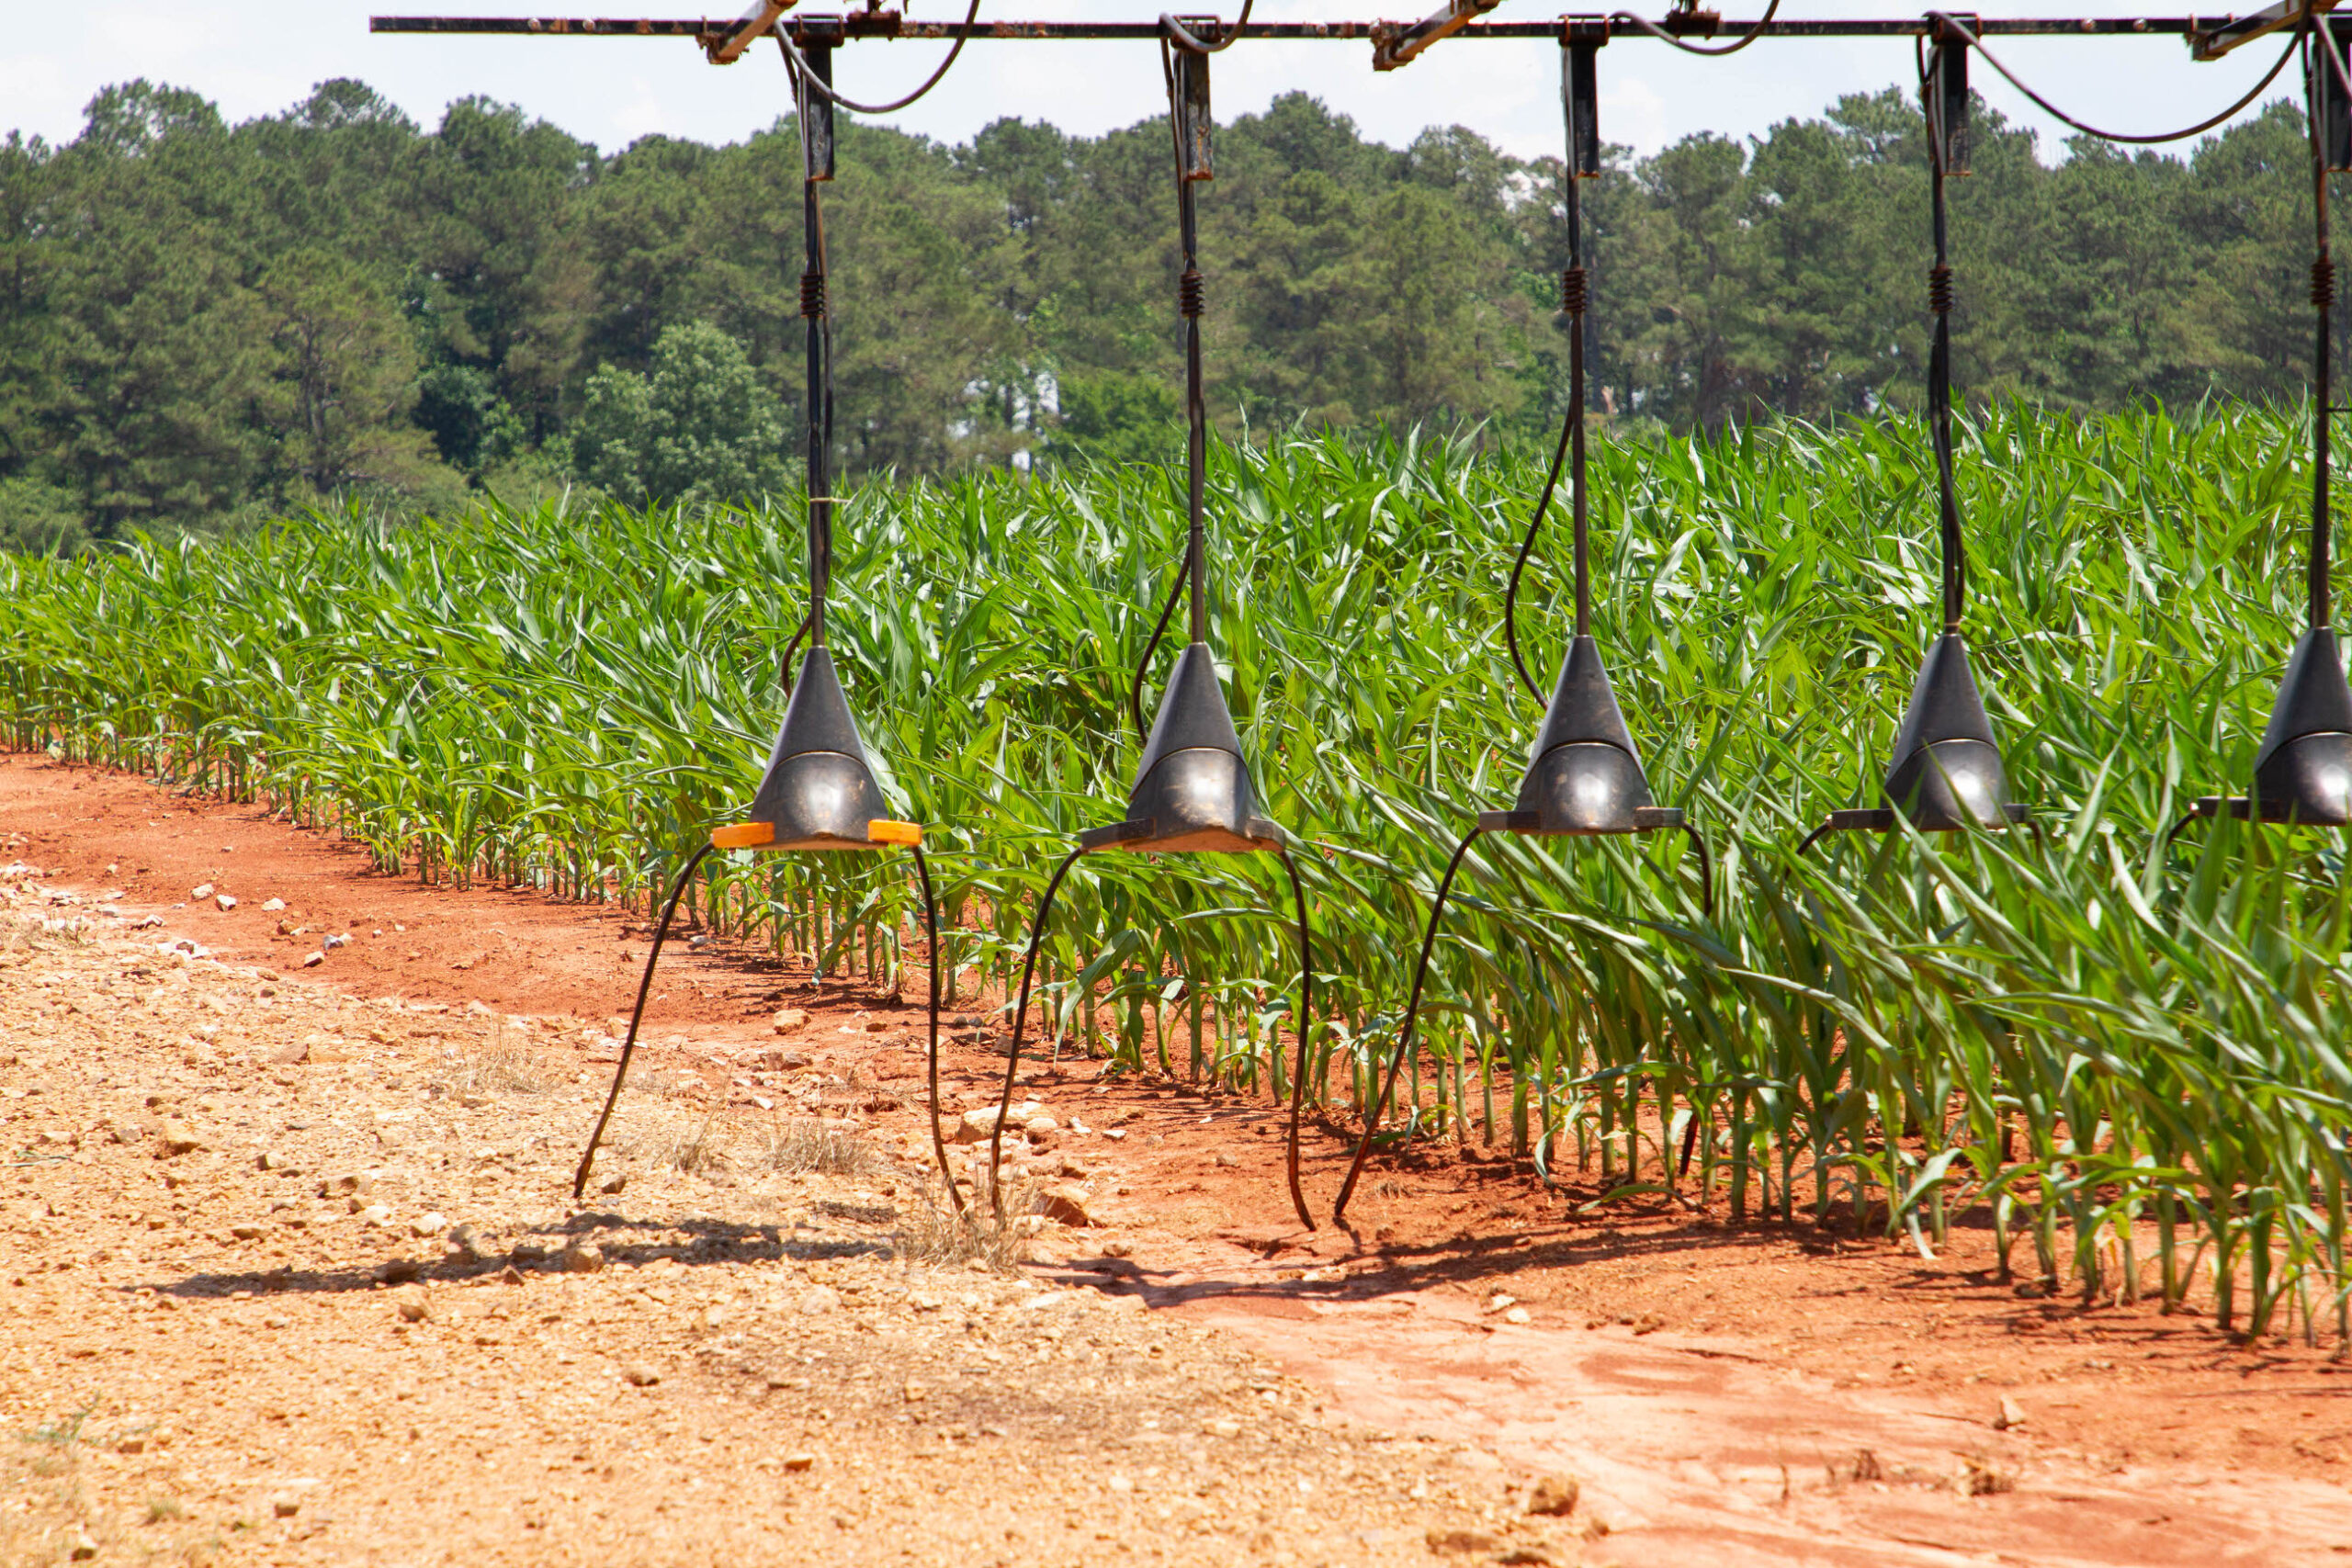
[
  {"x": 1952, "y": 26},
  {"x": 1939, "y": 290},
  {"x": 636, "y": 1017},
  {"x": 1387, "y": 1081},
  {"x": 2323, "y": 282},
  {"x": 1172, "y": 28},
  {"x": 1190, "y": 294},
  {"x": 1753, "y": 33},
  {"x": 812, "y": 295},
  {"x": 824, "y": 89},
  {"x": 1575, "y": 291},
  {"x": 1020, "y": 1022}
]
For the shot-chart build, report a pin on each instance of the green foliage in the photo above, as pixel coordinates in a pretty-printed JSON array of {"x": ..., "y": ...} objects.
[
  {"x": 701, "y": 428},
  {"x": 1115, "y": 417},
  {"x": 2073, "y": 1035},
  {"x": 169, "y": 327},
  {"x": 343, "y": 381},
  {"x": 39, "y": 519},
  {"x": 472, "y": 426}
]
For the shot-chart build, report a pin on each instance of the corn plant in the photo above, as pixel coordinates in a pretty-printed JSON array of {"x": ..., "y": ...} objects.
[{"x": 2104, "y": 1048}]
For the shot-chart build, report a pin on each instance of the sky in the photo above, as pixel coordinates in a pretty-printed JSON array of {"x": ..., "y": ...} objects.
[{"x": 257, "y": 57}]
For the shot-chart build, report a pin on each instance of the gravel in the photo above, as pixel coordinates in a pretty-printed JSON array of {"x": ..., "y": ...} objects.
[{"x": 722, "y": 1359}]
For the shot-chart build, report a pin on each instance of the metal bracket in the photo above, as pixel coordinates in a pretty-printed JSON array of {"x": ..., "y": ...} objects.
[
  {"x": 1190, "y": 104},
  {"x": 1580, "y": 39},
  {"x": 1881, "y": 818},
  {"x": 1399, "y": 47},
  {"x": 1645, "y": 819},
  {"x": 729, "y": 46},
  {"x": 2335, "y": 102},
  {"x": 817, "y": 112},
  {"x": 2214, "y": 42},
  {"x": 1949, "y": 84},
  {"x": 1685, "y": 20}
]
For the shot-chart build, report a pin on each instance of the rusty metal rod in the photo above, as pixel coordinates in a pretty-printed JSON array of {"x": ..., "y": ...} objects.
[{"x": 889, "y": 26}]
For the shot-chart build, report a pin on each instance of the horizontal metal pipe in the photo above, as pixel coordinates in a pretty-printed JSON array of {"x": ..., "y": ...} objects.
[{"x": 890, "y": 25}]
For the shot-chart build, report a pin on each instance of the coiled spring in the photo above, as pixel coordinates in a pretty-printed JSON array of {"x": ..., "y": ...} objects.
[
  {"x": 1189, "y": 293},
  {"x": 2324, "y": 283},
  {"x": 1575, "y": 291},
  {"x": 813, "y": 294},
  {"x": 1939, "y": 293}
]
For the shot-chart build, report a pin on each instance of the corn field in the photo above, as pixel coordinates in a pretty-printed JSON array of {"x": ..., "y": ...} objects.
[{"x": 2133, "y": 1064}]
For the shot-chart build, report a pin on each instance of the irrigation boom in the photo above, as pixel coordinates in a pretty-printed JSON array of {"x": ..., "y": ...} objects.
[{"x": 887, "y": 25}]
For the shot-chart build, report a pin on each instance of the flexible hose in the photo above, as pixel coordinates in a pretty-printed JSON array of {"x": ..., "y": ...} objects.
[
  {"x": 1183, "y": 36},
  {"x": 1306, "y": 1016},
  {"x": 1534, "y": 527},
  {"x": 1404, "y": 1033},
  {"x": 637, "y": 1014},
  {"x": 1143, "y": 665},
  {"x": 791, "y": 650},
  {"x": 1968, "y": 36},
  {"x": 1706, "y": 871},
  {"x": 1020, "y": 1020},
  {"x": 800, "y": 69},
  {"x": 1718, "y": 49},
  {"x": 930, "y": 929}
]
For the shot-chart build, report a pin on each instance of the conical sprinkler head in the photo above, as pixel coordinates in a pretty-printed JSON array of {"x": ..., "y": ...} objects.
[
  {"x": 1192, "y": 792},
  {"x": 1583, "y": 775},
  {"x": 1948, "y": 771},
  {"x": 817, "y": 791},
  {"x": 2304, "y": 772}
]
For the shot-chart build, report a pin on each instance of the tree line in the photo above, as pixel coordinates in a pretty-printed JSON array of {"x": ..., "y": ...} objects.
[{"x": 201, "y": 322}]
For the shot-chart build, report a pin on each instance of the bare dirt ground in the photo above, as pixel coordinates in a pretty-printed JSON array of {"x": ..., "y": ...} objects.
[{"x": 289, "y": 1275}]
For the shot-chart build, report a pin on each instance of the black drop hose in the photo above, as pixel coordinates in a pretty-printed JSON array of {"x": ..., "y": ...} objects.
[{"x": 637, "y": 1015}]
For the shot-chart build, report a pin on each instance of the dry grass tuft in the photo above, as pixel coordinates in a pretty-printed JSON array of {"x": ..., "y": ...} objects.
[
  {"x": 934, "y": 1233},
  {"x": 684, "y": 1144},
  {"x": 30, "y": 932},
  {"x": 504, "y": 1063},
  {"x": 810, "y": 1145}
]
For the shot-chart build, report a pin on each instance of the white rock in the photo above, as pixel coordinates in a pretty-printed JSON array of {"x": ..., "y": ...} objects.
[
  {"x": 428, "y": 1224},
  {"x": 202, "y": 893},
  {"x": 313, "y": 960},
  {"x": 225, "y": 901},
  {"x": 274, "y": 906},
  {"x": 975, "y": 1126}
]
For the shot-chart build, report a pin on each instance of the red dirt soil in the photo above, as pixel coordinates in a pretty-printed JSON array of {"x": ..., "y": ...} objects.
[{"x": 1750, "y": 1394}]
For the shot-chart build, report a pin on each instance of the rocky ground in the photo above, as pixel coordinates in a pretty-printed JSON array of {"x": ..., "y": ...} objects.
[
  {"x": 289, "y": 1276},
  {"x": 288, "y": 1272}
]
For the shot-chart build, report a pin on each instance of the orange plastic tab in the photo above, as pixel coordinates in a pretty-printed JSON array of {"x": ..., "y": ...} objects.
[
  {"x": 883, "y": 832},
  {"x": 742, "y": 836}
]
